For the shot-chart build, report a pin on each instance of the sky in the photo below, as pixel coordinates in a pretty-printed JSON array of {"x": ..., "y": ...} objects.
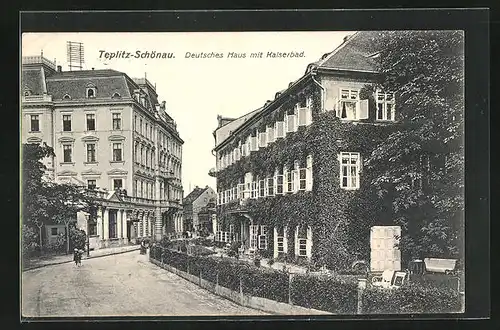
[{"x": 196, "y": 90}]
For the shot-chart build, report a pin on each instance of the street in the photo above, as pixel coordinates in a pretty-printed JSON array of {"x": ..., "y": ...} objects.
[{"x": 118, "y": 285}]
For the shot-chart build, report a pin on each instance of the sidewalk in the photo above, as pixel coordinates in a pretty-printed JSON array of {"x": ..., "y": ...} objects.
[{"x": 56, "y": 260}]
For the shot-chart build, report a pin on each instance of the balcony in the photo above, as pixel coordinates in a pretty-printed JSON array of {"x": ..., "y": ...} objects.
[
  {"x": 164, "y": 203},
  {"x": 212, "y": 172}
]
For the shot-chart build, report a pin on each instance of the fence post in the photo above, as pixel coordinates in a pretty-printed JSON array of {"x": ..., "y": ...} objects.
[
  {"x": 290, "y": 275},
  {"x": 217, "y": 282},
  {"x": 241, "y": 289},
  {"x": 361, "y": 289}
]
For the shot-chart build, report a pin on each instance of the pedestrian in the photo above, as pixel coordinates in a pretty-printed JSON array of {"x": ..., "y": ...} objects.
[
  {"x": 80, "y": 255},
  {"x": 75, "y": 256}
]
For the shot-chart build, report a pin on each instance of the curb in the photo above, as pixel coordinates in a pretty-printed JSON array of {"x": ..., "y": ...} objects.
[{"x": 69, "y": 261}]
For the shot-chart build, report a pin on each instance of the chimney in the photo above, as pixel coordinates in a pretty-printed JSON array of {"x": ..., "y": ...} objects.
[
  {"x": 92, "y": 69},
  {"x": 59, "y": 68}
]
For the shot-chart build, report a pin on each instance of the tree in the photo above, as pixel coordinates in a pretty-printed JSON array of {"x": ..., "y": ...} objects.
[
  {"x": 422, "y": 164},
  {"x": 47, "y": 202}
]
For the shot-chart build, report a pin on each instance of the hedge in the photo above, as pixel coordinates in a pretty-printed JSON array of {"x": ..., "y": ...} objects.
[
  {"x": 326, "y": 293},
  {"x": 411, "y": 299},
  {"x": 336, "y": 294}
]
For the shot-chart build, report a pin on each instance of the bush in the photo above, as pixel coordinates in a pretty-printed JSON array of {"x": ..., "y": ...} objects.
[
  {"x": 78, "y": 238},
  {"x": 324, "y": 293},
  {"x": 30, "y": 240},
  {"x": 411, "y": 299}
]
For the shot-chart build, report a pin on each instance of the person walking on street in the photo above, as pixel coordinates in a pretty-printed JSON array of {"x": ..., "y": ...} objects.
[{"x": 75, "y": 256}]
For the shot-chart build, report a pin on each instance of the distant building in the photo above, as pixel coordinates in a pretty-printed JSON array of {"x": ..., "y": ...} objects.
[
  {"x": 196, "y": 206},
  {"x": 110, "y": 134}
]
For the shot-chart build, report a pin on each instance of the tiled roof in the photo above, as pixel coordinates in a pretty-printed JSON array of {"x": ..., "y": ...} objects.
[
  {"x": 223, "y": 132},
  {"x": 353, "y": 53},
  {"x": 33, "y": 80},
  {"x": 193, "y": 195},
  {"x": 75, "y": 83}
]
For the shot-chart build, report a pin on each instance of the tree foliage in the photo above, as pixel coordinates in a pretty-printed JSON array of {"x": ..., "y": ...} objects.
[
  {"x": 46, "y": 202},
  {"x": 426, "y": 72}
]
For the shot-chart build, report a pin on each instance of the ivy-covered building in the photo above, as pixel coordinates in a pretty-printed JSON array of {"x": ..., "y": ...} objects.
[{"x": 290, "y": 175}]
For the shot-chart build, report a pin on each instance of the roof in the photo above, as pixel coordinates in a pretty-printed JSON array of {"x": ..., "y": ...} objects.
[
  {"x": 353, "y": 53},
  {"x": 193, "y": 195},
  {"x": 223, "y": 132},
  {"x": 33, "y": 80},
  {"x": 74, "y": 83}
]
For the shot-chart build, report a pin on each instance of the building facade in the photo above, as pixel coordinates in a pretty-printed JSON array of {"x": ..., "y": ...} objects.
[
  {"x": 288, "y": 172},
  {"x": 196, "y": 206},
  {"x": 110, "y": 134}
]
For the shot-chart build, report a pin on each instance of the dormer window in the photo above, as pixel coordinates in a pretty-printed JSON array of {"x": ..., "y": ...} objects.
[
  {"x": 27, "y": 93},
  {"x": 66, "y": 97},
  {"x": 91, "y": 92},
  {"x": 116, "y": 95}
]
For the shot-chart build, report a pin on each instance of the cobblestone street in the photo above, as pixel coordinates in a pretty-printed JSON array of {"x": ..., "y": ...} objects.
[{"x": 117, "y": 285}]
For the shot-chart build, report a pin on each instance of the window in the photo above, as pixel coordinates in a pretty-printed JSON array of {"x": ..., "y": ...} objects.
[
  {"x": 240, "y": 190},
  {"x": 92, "y": 227},
  {"x": 91, "y": 122},
  {"x": 385, "y": 105},
  {"x": 262, "y": 140},
  {"x": 66, "y": 97},
  {"x": 302, "y": 247},
  {"x": 263, "y": 238},
  {"x": 35, "y": 123},
  {"x": 262, "y": 188},
  {"x": 91, "y": 184},
  {"x": 289, "y": 181},
  {"x": 254, "y": 190},
  {"x": 279, "y": 184},
  {"x": 281, "y": 245},
  {"x": 302, "y": 179},
  {"x": 279, "y": 129},
  {"x": 117, "y": 184},
  {"x": 135, "y": 123},
  {"x": 91, "y": 153},
  {"x": 53, "y": 231},
  {"x": 66, "y": 123},
  {"x": 117, "y": 121},
  {"x": 270, "y": 186},
  {"x": 91, "y": 92},
  {"x": 117, "y": 152},
  {"x": 140, "y": 125},
  {"x": 254, "y": 233},
  {"x": 270, "y": 134},
  {"x": 67, "y": 153},
  {"x": 116, "y": 95},
  {"x": 290, "y": 123},
  {"x": 349, "y": 170},
  {"x": 348, "y": 103}
]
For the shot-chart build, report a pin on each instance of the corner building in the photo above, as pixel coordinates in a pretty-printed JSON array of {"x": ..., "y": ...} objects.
[
  {"x": 110, "y": 134},
  {"x": 289, "y": 172}
]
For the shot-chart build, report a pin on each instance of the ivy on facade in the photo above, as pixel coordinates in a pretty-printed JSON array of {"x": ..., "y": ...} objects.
[{"x": 330, "y": 211}]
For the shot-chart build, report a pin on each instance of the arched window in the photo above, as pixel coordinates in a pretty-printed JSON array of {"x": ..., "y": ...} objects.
[
  {"x": 66, "y": 97},
  {"x": 116, "y": 95}
]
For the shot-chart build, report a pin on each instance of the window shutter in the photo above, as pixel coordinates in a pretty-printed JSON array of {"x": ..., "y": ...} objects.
[
  {"x": 275, "y": 243},
  {"x": 336, "y": 106},
  {"x": 285, "y": 180},
  {"x": 302, "y": 116},
  {"x": 309, "y": 242},
  {"x": 296, "y": 240},
  {"x": 285, "y": 239},
  {"x": 363, "y": 109},
  {"x": 308, "y": 115}
]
